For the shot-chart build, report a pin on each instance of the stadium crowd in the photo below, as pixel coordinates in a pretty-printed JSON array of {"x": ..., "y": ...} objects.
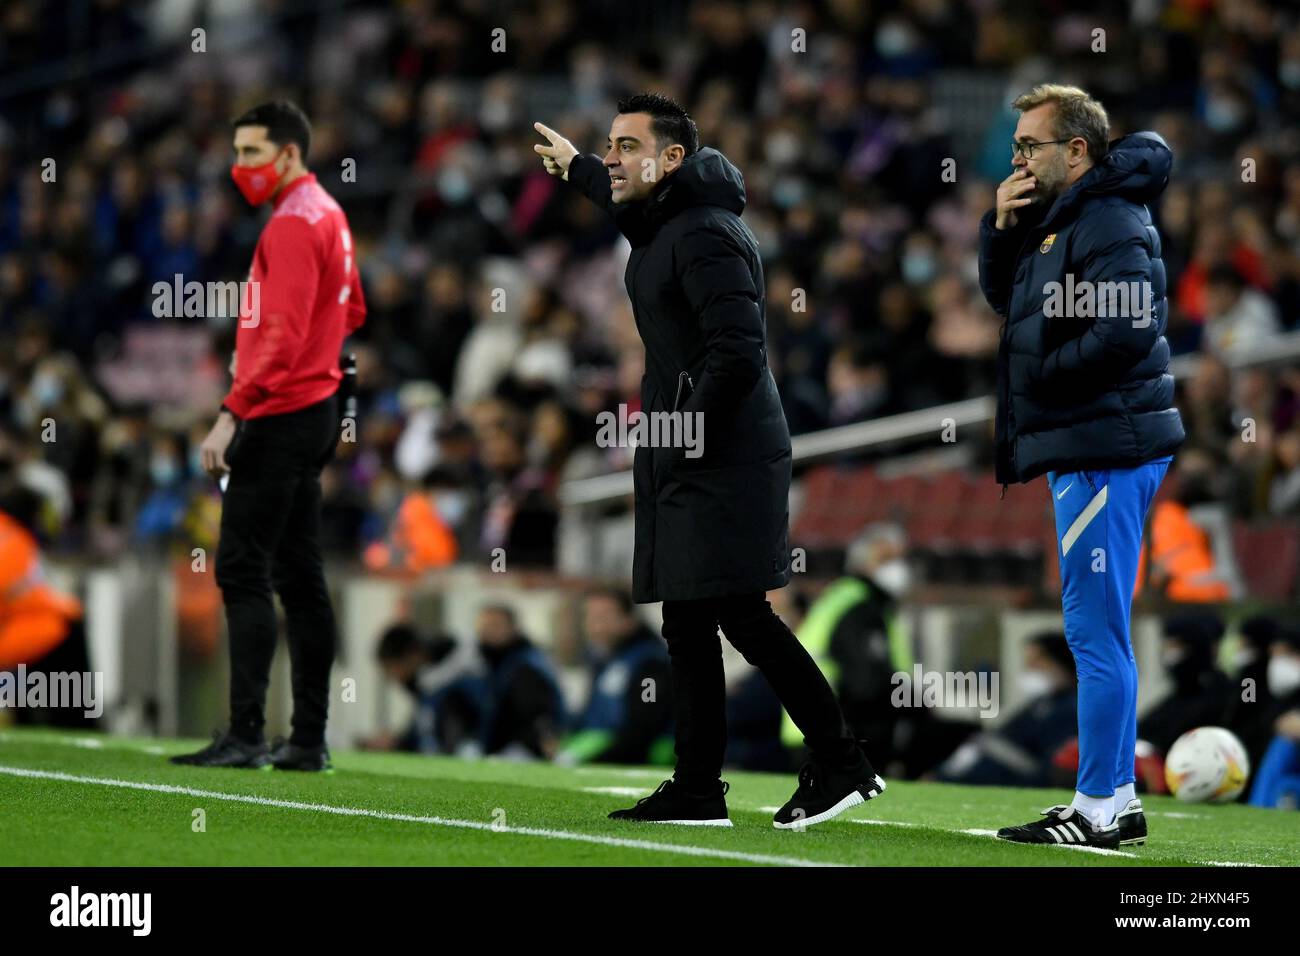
[
  {"x": 499, "y": 693},
  {"x": 498, "y": 326},
  {"x": 871, "y": 138}
]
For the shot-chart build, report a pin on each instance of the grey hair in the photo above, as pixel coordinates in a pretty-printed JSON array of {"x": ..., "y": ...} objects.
[
  {"x": 1077, "y": 114},
  {"x": 855, "y": 557}
]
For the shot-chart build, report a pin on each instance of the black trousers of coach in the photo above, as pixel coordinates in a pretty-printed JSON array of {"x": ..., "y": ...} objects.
[
  {"x": 270, "y": 541},
  {"x": 699, "y": 690}
]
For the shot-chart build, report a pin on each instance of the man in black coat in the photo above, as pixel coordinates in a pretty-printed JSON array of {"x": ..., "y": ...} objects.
[
  {"x": 712, "y": 519},
  {"x": 1071, "y": 259}
]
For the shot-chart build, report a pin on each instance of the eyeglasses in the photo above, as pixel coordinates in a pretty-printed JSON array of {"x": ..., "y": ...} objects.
[{"x": 1027, "y": 149}]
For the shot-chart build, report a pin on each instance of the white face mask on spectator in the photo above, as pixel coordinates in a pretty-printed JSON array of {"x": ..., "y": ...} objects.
[
  {"x": 1034, "y": 683},
  {"x": 1283, "y": 674},
  {"x": 895, "y": 576}
]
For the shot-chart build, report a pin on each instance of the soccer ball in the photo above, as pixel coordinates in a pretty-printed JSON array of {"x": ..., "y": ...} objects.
[{"x": 1207, "y": 764}]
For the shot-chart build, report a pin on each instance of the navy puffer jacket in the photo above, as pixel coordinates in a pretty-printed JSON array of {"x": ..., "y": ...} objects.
[{"x": 1085, "y": 391}]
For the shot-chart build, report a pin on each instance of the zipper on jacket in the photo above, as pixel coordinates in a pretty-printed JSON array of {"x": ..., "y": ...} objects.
[{"x": 683, "y": 378}]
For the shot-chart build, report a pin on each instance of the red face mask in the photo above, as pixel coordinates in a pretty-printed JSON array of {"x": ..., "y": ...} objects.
[{"x": 257, "y": 183}]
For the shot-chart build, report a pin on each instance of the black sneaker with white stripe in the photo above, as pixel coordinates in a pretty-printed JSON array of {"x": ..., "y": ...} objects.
[
  {"x": 1132, "y": 824},
  {"x": 824, "y": 794},
  {"x": 673, "y": 803},
  {"x": 1064, "y": 826}
]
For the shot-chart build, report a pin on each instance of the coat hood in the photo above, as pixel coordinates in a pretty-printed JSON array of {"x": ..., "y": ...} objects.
[
  {"x": 706, "y": 178},
  {"x": 1136, "y": 168}
]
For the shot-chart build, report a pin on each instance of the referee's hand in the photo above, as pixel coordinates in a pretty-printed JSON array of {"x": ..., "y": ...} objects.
[
  {"x": 212, "y": 453},
  {"x": 557, "y": 156}
]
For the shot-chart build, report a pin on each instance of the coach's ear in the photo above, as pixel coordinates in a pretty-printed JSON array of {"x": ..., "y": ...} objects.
[{"x": 671, "y": 158}]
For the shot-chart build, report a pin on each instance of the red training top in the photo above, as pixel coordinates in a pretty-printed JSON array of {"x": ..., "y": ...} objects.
[{"x": 303, "y": 299}]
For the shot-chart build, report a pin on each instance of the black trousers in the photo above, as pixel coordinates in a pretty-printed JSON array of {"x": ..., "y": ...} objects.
[
  {"x": 699, "y": 693},
  {"x": 270, "y": 540}
]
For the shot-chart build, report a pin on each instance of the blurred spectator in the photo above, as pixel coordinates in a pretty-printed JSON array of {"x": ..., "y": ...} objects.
[
  {"x": 1277, "y": 775},
  {"x": 1239, "y": 320},
  {"x": 1019, "y": 753},
  {"x": 1200, "y": 690},
  {"x": 525, "y": 708},
  {"x": 627, "y": 718},
  {"x": 853, "y": 632},
  {"x": 1182, "y": 558},
  {"x": 446, "y": 678},
  {"x": 1251, "y": 709}
]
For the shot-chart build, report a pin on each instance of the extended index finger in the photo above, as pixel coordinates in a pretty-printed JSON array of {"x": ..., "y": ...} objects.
[{"x": 546, "y": 131}]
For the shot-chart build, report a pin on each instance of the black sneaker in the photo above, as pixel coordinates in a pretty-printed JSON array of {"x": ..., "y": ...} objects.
[
  {"x": 1132, "y": 824},
  {"x": 670, "y": 803},
  {"x": 226, "y": 751},
  {"x": 290, "y": 756},
  {"x": 1065, "y": 826},
  {"x": 824, "y": 794}
]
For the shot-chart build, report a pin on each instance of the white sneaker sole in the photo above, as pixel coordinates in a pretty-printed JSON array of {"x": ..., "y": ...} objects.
[
  {"x": 852, "y": 800},
  {"x": 695, "y": 823}
]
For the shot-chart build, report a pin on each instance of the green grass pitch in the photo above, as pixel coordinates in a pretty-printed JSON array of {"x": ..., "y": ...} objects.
[{"x": 83, "y": 800}]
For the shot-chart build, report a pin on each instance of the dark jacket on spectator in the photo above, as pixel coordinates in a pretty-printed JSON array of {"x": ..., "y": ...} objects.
[
  {"x": 1083, "y": 393},
  {"x": 715, "y": 525},
  {"x": 627, "y": 714},
  {"x": 525, "y": 706}
]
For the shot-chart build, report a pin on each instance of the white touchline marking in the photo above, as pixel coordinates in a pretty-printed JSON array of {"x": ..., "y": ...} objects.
[
  {"x": 95, "y": 743},
  {"x": 648, "y": 845},
  {"x": 891, "y": 823},
  {"x": 1266, "y": 866},
  {"x": 646, "y": 774},
  {"x": 617, "y": 791}
]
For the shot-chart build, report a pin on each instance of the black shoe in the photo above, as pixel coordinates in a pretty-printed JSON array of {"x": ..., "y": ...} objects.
[
  {"x": 670, "y": 803},
  {"x": 824, "y": 794},
  {"x": 1132, "y": 824},
  {"x": 290, "y": 756},
  {"x": 226, "y": 751},
  {"x": 1065, "y": 826}
]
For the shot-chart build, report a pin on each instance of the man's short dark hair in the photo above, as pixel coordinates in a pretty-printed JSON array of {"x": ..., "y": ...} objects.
[
  {"x": 612, "y": 592},
  {"x": 505, "y": 610},
  {"x": 670, "y": 123},
  {"x": 397, "y": 642},
  {"x": 285, "y": 123}
]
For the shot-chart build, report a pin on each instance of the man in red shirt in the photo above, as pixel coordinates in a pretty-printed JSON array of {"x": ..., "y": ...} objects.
[{"x": 277, "y": 429}]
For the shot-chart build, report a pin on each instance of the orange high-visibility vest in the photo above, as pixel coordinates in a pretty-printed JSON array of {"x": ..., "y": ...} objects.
[
  {"x": 34, "y": 617},
  {"x": 419, "y": 540},
  {"x": 1182, "y": 550}
]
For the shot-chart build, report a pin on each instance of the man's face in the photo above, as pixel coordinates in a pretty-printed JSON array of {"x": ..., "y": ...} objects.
[
  {"x": 493, "y": 628},
  {"x": 604, "y": 621},
  {"x": 252, "y": 148},
  {"x": 1048, "y": 165},
  {"x": 1037, "y": 659},
  {"x": 633, "y": 159},
  {"x": 400, "y": 670}
]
